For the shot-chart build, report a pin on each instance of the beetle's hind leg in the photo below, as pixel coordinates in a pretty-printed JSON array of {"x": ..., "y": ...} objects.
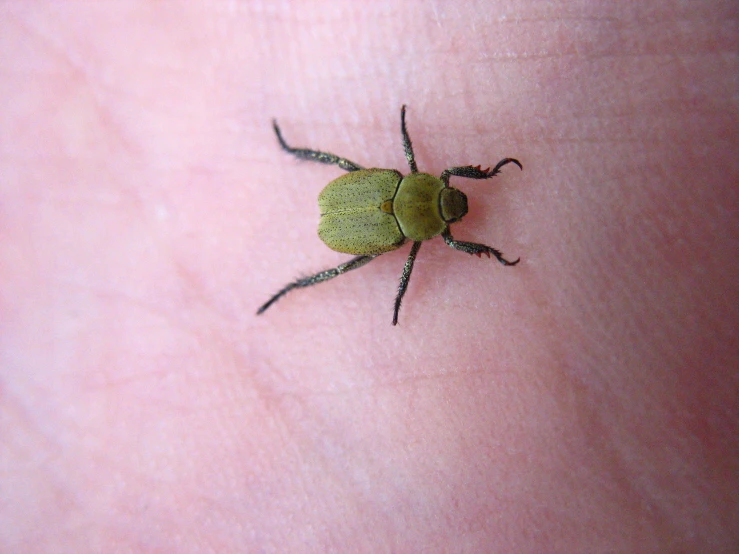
[
  {"x": 315, "y": 155},
  {"x": 354, "y": 263},
  {"x": 407, "y": 269},
  {"x": 476, "y": 172},
  {"x": 476, "y": 248}
]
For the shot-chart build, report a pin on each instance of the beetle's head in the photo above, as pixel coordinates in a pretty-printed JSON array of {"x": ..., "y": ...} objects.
[{"x": 453, "y": 204}]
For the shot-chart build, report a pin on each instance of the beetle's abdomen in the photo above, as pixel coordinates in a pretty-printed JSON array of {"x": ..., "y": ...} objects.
[
  {"x": 355, "y": 215},
  {"x": 417, "y": 206}
]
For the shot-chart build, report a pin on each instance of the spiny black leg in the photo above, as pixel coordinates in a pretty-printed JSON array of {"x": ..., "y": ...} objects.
[
  {"x": 475, "y": 248},
  {"x": 407, "y": 146},
  {"x": 315, "y": 155},
  {"x": 405, "y": 278},
  {"x": 475, "y": 172},
  {"x": 354, "y": 263}
]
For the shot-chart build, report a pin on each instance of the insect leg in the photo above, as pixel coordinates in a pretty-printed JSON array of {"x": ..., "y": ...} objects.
[
  {"x": 315, "y": 155},
  {"x": 407, "y": 146},
  {"x": 475, "y": 248},
  {"x": 354, "y": 263},
  {"x": 475, "y": 172},
  {"x": 405, "y": 278}
]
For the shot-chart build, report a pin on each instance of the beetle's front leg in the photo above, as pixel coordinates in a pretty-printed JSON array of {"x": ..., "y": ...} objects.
[
  {"x": 354, "y": 263},
  {"x": 476, "y": 172},
  {"x": 475, "y": 248}
]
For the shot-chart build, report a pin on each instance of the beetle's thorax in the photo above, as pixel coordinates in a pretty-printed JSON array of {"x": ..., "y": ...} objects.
[
  {"x": 417, "y": 207},
  {"x": 452, "y": 204}
]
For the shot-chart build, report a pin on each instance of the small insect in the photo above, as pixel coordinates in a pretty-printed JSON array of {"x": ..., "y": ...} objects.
[{"x": 368, "y": 212}]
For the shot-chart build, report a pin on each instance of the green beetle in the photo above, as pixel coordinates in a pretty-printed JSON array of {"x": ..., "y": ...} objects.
[{"x": 368, "y": 212}]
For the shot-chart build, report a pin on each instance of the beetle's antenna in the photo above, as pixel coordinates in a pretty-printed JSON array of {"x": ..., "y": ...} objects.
[{"x": 407, "y": 146}]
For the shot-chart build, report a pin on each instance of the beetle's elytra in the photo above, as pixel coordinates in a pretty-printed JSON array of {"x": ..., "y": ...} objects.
[{"x": 368, "y": 212}]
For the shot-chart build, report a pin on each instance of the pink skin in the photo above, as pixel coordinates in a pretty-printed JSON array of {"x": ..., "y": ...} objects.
[{"x": 585, "y": 400}]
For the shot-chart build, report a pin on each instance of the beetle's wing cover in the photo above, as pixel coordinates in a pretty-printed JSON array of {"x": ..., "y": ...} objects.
[{"x": 352, "y": 220}]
